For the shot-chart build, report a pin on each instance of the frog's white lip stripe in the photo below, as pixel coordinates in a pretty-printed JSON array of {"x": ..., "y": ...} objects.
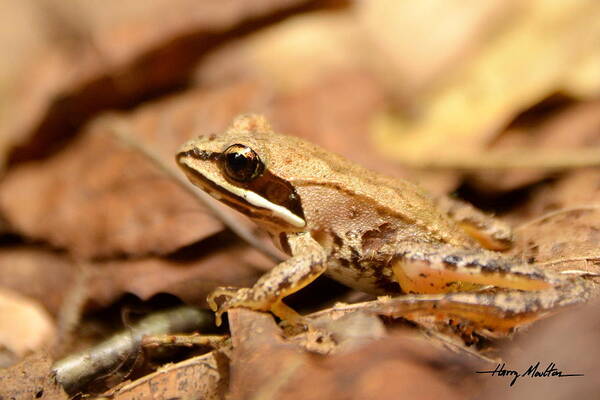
[
  {"x": 250, "y": 197},
  {"x": 261, "y": 202}
]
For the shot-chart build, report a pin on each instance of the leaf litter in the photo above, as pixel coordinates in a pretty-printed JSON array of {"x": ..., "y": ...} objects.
[{"x": 85, "y": 197}]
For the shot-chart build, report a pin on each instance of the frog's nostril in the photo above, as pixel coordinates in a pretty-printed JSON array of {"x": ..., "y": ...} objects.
[{"x": 207, "y": 137}]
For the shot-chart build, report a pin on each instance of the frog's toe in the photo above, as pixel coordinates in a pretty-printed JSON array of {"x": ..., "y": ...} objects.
[
  {"x": 296, "y": 326},
  {"x": 227, "y": 292},
  {"x": 234, "y": 297},
  {"x": 222, "y": 308},
  {"x": 249, "y": 298}
]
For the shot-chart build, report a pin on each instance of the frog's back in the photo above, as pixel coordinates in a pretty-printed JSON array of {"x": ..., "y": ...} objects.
[
  {"x": 396, "y": 197},
  {"x": 305, "y": 164}
]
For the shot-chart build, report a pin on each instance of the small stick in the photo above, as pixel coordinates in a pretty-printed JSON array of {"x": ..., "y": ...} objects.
[
  {"x": 77, "y": 370},
  {"x": 194, "y": 339},
  {"x": 73, "y": 304},
  {"x": 552, "y": 214}
]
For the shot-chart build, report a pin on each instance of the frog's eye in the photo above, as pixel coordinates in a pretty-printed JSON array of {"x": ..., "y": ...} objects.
[{"x": 241, "y": 163}]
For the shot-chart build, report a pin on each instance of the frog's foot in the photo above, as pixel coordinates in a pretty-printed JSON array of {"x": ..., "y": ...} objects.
[
  {"x": 228, "y": 292},
  {"x": 524, "y": 293},
  {"x": 234, "y": 297},
  {"x": 288, "y": 315},
  {"x": 281, "y": 281},
  {"x": 248, "y": 298}
]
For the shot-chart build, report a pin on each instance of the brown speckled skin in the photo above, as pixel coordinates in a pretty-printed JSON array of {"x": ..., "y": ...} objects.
[{"x": 370, "y": 232}]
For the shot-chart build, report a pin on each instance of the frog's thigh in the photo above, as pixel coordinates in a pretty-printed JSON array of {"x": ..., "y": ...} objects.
[
  {"x": 499, "y": 313},
  {"x": 496, "y": 311},
  {"x": 441, "y": 269}
]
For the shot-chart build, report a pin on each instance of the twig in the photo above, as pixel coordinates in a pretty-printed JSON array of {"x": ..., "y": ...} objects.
[
  {"x": 194, "y": 339},
  {"x": 77, "y": 370},
  {"x": 551, "y": 214},
  {"x": 569, "y": 260},
  {"x": 72, "y": 306}
]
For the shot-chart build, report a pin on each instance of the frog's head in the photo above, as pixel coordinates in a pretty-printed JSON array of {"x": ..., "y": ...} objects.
[{"x": 237, "y": 168}]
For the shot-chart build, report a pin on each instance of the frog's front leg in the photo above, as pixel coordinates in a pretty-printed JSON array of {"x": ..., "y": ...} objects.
[
  {"x": 306, "y": 264},
  {"x": 426, "y": 272}
]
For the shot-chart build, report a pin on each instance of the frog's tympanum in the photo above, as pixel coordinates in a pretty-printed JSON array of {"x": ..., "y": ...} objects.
[{"x": 373, "y": 233}]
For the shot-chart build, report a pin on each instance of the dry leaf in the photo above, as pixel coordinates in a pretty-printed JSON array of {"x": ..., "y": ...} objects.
[
  {"x": 26, "y": 326},
  {"x": 562, "y": 130},
  {"x": 84, "y": 57},
  {"x": 48, "y": 278},
  {"x": 568, "y": 340},
  {"x": 30, "y": 379},
  {"x": 559, "y": 227},
  {"x": 530, "y": 58},
  {"x": 308, "y": 47},
  {"x": 266, "y": 366},
  {"x": 218, "y": 261},
  {"x": 41, "y": 275},
  {"x": 99, "y": 198},
  {"x": 201, "y": 377},
  {"x": 412, "y": 46}
]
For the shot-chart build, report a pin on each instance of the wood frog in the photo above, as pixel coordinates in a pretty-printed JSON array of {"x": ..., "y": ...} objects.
[{"x": 373, "y": 233}]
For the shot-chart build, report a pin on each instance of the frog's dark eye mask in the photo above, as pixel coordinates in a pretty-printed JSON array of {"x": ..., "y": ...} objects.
[{"x": 244, "y": 183}]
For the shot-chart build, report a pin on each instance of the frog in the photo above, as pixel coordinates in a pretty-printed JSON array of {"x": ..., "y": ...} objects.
[{"x": 377, "y": 234}]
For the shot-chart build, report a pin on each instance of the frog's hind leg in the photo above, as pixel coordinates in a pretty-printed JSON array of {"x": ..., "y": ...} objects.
[
  {"x": 488, "y": 231},
  {"x": 528, "y": 292},
  {"x": 497, "y": 313},
  {"x": 430, "y": 268}
]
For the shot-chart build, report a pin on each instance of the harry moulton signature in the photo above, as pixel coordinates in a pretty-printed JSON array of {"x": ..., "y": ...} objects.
[{"x": 533, "y": 371}]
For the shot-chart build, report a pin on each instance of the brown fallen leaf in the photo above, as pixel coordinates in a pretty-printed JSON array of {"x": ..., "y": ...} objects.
[
  {"x": 49, "y": 278},
  {"x": 82, "y": 58},
  {"x": 568, "y": 340},
  {"x": 559, "y": 226},
  {"x": 265, "y": 366},
  {"x": 30, "y": 379},
  {"x": 26, "y": 326},
  {"x": 98, "y": 199},
  {"x": 387, "y": 39},
  {"x": 38, "y": 274},
  {"x": 566, "y": 128},
  {"x": 525, "y": 61},
  {"x": 415, "y": 46},
  {"x": 217, "y": 261},
  {"x": 201, "y": 377},
  {"x": 117, "y": 192}
]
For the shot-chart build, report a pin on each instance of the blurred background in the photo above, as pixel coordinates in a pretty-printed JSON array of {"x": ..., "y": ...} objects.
[{"x": 493, "y": 101}]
